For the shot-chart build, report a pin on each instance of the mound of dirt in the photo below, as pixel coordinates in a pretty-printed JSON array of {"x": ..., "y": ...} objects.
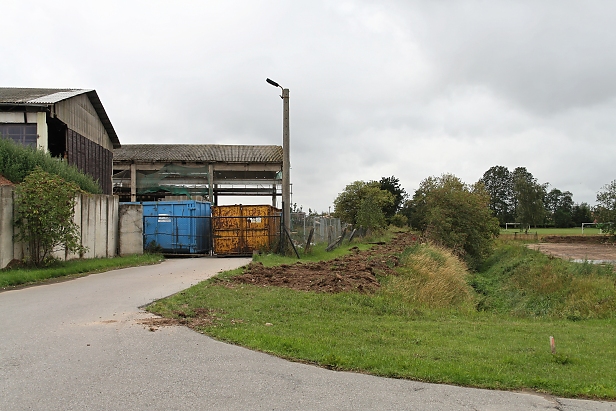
[
  {"x": 356, "y": 271},
  {"x": 576, "y": 239}
]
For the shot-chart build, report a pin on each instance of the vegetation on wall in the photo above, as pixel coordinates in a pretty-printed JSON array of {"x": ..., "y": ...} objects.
[
  {"x": 44, "y": 208},
  {"x": 16, "y": 162}
]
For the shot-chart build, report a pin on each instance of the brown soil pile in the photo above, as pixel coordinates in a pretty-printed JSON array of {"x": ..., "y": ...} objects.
[
  {"x": 201, "y": 317},
  {"x": 5, "y": 181},
  {"x": 356, "y": 271},
  {"x": 576, "y": 239}
]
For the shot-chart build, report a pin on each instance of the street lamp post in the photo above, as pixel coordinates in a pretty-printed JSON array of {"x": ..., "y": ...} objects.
[{"x": 286, "y": 157}]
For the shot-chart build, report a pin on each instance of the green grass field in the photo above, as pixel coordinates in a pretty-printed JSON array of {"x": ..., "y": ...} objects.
[
  {"x": 491, "y": 330},
  {"x": 555, "y": 231}
]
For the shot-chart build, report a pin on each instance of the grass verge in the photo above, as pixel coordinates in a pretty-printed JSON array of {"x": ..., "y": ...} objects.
[
  {"x": 527, "y": 283},
  {"x": 73, "y": 268},
  {"x": 420, "y": 326}
]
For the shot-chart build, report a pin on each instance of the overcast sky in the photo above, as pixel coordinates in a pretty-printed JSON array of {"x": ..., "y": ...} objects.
[{"x": 405, "y": 88}]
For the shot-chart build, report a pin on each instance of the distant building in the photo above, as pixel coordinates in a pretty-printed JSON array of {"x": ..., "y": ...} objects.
[
  {"x": 146, "y": 172},
  {"x": 69, "y": 123}
]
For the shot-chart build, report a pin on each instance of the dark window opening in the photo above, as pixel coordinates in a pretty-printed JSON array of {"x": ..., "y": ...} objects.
[
  {"x": 24, "y": 134},
  {"x": 56, "y": 133}
]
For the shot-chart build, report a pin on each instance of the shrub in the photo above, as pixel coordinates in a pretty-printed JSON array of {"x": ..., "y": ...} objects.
[
  {"x": 399, "y": 220},
  {"x": 455, "y": 215},
  {"x": 45, "y": 209},
  {"x": 16, "y": 162}
]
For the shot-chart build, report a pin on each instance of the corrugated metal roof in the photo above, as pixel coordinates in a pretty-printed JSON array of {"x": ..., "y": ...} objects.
[
  {"x": 207, "y": 153},
  {"x": 44, "y": 96},
  {"x": 59, "y": 96},
  {"x": 10, "y": 95}
]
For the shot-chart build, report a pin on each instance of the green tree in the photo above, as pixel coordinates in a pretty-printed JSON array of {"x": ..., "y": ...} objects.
[
  {"x": 45, "y": 209},
  {"x": 581, "y": 213},
  {"x": 529, "y": 195},
  {"x": 559, "y": 208},
  {"x": 348, "y": 202},
  {"x": 392, "y": 184},
  {"x": 498, "y": 181},
  {"x": 370, "y": 215},
  {"x": 456, "y": 215},
  {"x": 605, "y": 211}
]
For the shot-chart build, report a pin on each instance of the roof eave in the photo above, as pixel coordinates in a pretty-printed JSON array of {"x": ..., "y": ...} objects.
[{"x": 102, "y": 114}]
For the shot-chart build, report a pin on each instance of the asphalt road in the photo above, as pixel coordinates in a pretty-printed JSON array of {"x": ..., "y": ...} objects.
[{"x": 77, "y": 345}]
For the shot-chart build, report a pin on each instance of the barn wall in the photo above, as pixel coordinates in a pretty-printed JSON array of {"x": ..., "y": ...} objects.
[
  {"x": 79, "y": 115},
  {"x": 91, "y": 158}
]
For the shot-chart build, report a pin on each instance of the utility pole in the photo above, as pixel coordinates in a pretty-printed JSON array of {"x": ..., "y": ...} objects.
[{"x": 286, "y": 157}]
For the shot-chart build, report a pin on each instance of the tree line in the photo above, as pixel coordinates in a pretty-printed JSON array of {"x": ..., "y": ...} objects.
[
  {"x": 466, "y": 217},
  {"x": 517, "y": 197}
]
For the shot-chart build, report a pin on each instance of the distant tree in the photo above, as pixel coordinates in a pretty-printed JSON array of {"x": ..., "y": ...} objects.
[
  {"x": 399, "y": 220},
  {"x": 605, "y": 211},
  {"x": 456, "y": 215},
  {"x": 417, "y": 208},
  {"x": 581, "y": 213},
  {"x": 559, "y": 206},
  {"x": 347, "y": 204},
  {"x": 406, "y": 210},
  {"x": 498, "y": 182},
  {"x": 392, "y": 184},
  {"x": 529, "y": 195},
  {"x": 370, "y": 214}
]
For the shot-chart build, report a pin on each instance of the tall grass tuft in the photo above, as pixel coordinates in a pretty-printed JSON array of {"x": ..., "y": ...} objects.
[
  {"x": 431, "y": 277},
  {"x": 526, "y": 283}
]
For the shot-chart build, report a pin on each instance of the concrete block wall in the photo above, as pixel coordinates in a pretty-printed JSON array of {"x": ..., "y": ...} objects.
[
  {"x": 97, "y": 218},
  {"x": 130, "y": 229},
  {"x": 6, "y": 225}
]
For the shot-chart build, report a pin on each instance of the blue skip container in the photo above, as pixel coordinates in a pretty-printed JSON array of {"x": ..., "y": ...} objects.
[{"x": 177, "y": 227}]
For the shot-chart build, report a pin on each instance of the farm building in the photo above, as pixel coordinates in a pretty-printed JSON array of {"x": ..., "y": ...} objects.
[
  {"x": 69, "y": 123},
  {"x": 146, "y": 172}
]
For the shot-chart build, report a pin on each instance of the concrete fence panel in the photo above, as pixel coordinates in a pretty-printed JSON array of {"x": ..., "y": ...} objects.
[
  {"x": 130, "y": 229},
  {"x": 96, "y": 216},
  {"x": 6, "y": 225}
]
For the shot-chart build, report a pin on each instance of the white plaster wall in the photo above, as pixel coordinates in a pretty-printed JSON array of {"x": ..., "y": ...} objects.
[{"x": 42, "y": 142}]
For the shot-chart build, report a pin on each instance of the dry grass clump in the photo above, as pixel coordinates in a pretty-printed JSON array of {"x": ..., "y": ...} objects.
[{"x": 432, "y": 277}]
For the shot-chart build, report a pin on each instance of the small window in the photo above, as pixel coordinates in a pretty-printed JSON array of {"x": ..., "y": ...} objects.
[{"x": 24, "y": 134}]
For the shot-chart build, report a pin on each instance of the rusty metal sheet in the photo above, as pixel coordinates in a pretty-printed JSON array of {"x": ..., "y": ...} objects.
[{"x": 243, "y": 229}]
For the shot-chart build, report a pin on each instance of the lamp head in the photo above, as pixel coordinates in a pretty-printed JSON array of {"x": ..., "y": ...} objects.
[{"x": 273, "y": 83}]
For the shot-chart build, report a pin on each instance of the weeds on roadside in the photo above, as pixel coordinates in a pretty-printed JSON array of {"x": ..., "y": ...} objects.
[{"x": 21, "y": 276}]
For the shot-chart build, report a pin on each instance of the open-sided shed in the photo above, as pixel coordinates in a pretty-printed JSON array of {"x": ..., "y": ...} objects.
[{"x": 146, "y": 172}]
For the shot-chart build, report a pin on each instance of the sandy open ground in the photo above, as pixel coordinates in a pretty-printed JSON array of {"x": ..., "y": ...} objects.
[{"x": 577, "y": 251}]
